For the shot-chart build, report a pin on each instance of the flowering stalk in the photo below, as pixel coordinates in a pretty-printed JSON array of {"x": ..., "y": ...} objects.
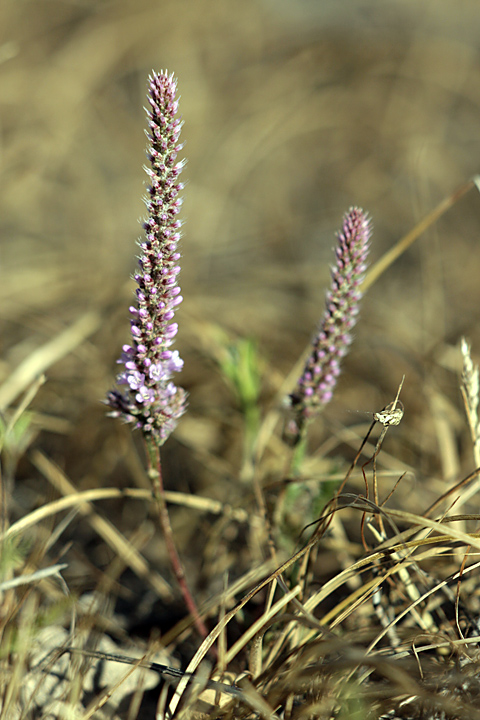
[
  {"x": 315, "y": 387},
  {"x": 151, "y": 400}
]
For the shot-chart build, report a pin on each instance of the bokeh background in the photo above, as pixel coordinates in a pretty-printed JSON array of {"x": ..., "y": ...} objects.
[{"x": 294, "y": 110}]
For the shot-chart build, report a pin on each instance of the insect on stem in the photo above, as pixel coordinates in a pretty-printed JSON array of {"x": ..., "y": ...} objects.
[{"x": 391, "y": 414}]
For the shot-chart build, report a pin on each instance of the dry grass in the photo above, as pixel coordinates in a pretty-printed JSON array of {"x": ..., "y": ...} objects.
[{"x": 293, "y": 112}]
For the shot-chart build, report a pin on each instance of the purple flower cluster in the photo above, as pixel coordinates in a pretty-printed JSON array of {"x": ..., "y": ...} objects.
[
  {"x": 315, "y": 387},
  {"x": 151, "y": 400}
]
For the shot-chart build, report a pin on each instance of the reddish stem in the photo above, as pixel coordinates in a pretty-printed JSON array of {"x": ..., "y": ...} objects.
[{"x": 155, "y": 472}]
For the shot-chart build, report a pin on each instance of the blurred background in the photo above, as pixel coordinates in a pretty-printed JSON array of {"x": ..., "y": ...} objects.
[{"x": 294, "y": 110}]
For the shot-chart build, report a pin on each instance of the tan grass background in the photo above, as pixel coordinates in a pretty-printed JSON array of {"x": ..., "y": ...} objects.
[{"x": 293, "y": 111}]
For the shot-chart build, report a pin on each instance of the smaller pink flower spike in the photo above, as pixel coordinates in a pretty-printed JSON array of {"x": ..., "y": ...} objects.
[{"x": 315, "y": 387}]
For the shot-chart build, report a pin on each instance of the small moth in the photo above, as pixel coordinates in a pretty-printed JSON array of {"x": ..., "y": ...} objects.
[{"x": 391, "y": 414}]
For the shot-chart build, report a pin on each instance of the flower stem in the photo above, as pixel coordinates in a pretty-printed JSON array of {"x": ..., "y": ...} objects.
[{"x": 155, "y": 474}]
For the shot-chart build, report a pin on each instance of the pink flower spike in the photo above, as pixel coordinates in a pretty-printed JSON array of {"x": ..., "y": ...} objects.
[
  {"x": 151, "y": 401},
  {"x": 314, "y": 388}
]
